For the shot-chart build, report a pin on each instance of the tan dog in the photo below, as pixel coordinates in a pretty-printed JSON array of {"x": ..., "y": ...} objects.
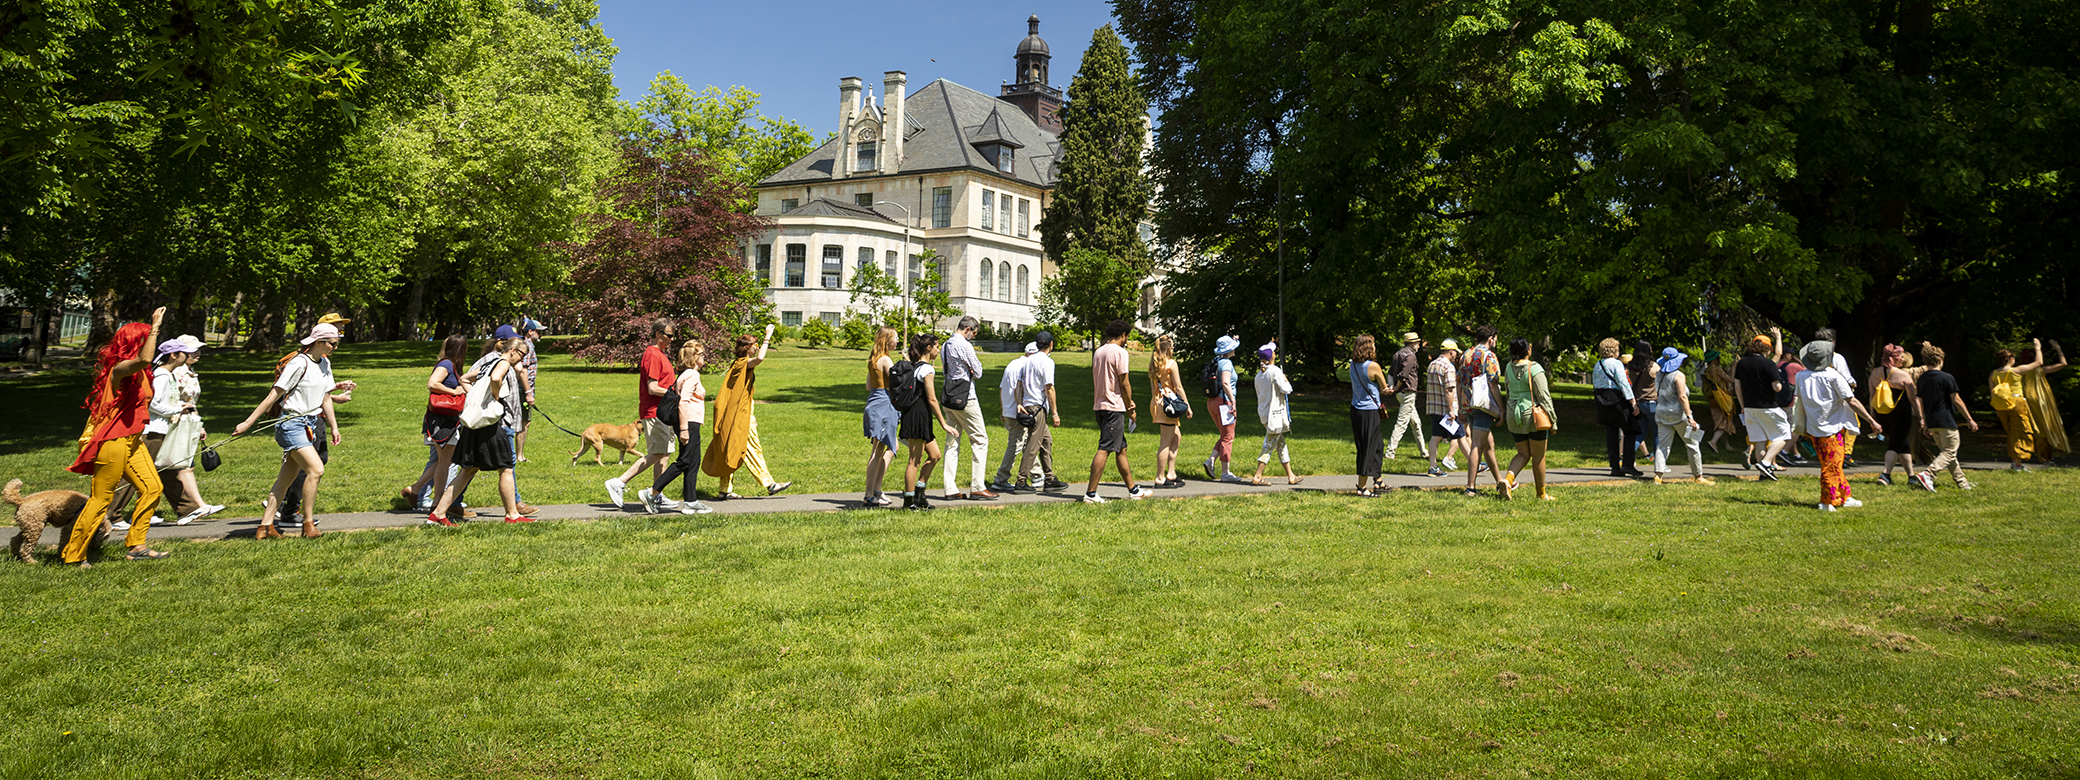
[
  {"x": 47, "y": 508},
  {"x": 626, "y": 438}
]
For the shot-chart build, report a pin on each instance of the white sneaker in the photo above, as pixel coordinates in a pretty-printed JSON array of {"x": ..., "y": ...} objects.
[
  {"x": 1139, "y": 493},
  {"x": 1231, "y": 478},
  {"x": 1093, "y": 498},
  {"x": 1208, "y": 465},
  {"x": 616, "y": 490},
  {"x": 666, "y": 504},
  {"x": 1449, "y": 464},
  {"x": 190, "y": 517},
  {"x": 1826, "y": 507},
  {"x": 120, "y": 525},
  {"x": 694, "y": 508},
  {"x": 649, "y": 501},
  {"x": 1850, "y": 503}
]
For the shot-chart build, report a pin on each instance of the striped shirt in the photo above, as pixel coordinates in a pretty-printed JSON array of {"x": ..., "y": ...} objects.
[{"x": 1444, "y": 386}]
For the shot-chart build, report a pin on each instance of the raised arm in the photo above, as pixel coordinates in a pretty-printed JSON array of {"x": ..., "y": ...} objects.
[
  {"x": 2054, "y": 368},
  {"x": 762, "y": 345},
  {"x": 139, "y": 362}
]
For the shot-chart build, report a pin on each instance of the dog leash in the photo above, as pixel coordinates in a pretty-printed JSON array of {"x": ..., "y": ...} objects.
[
  {"x": 190, "y": 462},
  {"x": 552, "y": 421}
]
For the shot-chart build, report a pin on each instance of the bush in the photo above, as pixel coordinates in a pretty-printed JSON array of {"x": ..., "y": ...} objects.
[
  {"x": 856, "y": 333},
  {"x": 818, "y": 333},
  {"x": 782, "y": 333}
]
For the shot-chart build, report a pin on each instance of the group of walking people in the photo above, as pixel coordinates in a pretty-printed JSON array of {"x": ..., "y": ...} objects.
[{"x": 143, "y": 432}]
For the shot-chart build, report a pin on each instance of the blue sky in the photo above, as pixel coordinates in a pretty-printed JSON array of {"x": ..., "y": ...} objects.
[{"x": 793, "y": 53}]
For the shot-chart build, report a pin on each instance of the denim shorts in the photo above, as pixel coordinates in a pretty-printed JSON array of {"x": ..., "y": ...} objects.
[
  {"x": 296, "y": 433},
  {"x": 1480, "y": 421}
]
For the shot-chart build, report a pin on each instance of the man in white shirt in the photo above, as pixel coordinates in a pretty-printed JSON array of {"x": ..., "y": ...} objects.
[
  {"x": 1010, "y": 390},
  {"x": 964, "y": 367},
  {"x": 1830, "y": 409},
  {"x": 1036, "y": 394}
]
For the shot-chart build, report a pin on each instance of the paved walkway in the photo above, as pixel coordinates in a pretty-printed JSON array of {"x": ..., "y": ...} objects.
[{"x": 1112, "y": 491}]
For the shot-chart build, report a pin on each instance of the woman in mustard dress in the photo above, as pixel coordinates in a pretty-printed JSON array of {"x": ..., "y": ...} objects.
[{"x": 2009, "y": 403}]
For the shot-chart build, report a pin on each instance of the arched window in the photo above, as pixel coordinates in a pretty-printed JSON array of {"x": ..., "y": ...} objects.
[
  {"x": 1024, "y": 290},
  {"x": 1004, "y": 284},
  {"x": 988, "y": 271}
]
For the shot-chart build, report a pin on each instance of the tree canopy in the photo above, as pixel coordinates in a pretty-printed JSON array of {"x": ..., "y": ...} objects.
[{"x": 1615, "y": 167}]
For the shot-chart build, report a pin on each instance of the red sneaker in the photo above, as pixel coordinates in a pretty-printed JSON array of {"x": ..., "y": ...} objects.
[
  {"x": 439, "y": 520},
  {"x": 519, "y": 519}
]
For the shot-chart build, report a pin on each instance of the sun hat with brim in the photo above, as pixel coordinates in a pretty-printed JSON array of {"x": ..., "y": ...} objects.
[
  {"x": 1671, "y": 360},
  {"x": 1225, "y": 345},
  {"x": 323, "y": 330},
  {"x": 1410, "y": 337},
  {"x": 191, "y": 341},
  {"x": 171, "y": 346},
  {"x": 1817, "y": 355},
  {"x": 333, "y": 318},
  {"x": 1449, "y": 345}
]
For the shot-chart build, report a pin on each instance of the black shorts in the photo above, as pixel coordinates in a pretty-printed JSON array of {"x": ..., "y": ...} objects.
[
  {"x": 484, "y": 449},
  {"x": 1435, "y": 424},
  {"x": 1112, "y": 431},
  {"x": 526, "y": 416},
  {"x": 1520, "y": 438}
]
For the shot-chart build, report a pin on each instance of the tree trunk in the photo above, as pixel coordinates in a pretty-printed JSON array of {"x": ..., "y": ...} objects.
[
  {"x": 103, "y": 324},
  {"x": 414, "y": 304},
  {"x": 231, "y": 320}
]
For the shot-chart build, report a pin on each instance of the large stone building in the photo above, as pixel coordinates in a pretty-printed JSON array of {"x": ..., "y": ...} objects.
[{"x": 949, "y": 168}]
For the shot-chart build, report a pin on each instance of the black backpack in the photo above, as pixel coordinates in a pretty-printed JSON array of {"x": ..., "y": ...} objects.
[
  {"x": 902, "y": 385},
  {"x": 668, "y": 406},
  {"x": 1210, "y": 379}
]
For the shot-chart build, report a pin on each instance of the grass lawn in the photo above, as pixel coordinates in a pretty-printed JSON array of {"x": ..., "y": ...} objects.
[
  {"x": 1621, "y": 631},
  {"x": 810, "y": 425}
]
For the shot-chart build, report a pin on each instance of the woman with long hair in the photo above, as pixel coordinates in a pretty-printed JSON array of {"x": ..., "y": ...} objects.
[
  {"x": 917, "y": 429},
  {"x": 1718, "y": 390},
  {"x": 693, "y": 397},
  {"x": 735, "y": 443},
  {"x": 439, "y": 429},
  {"x": 2011, "y": 401},
  {"x": 881, "y": 424},
  {"x": 1166, "y": 385},
  {"x": 2050, "y": 428},
  {"x": 1367, "y": 382},
  {"x": 1480, "y": 381},
  {"x": 304, "y": 389},
  {"x": 490, "y": 448},
  {"x": 112, "y": 447},
  {"x": 1531, "y": 416}
]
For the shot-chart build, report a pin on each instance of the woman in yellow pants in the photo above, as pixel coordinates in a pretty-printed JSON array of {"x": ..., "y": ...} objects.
[{"x": 112, "y": 448}]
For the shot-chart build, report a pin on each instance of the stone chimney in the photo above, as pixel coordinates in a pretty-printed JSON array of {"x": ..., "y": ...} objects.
[
  {"x": 893, "y": 122},
  {"x": 848, "y": 115}
]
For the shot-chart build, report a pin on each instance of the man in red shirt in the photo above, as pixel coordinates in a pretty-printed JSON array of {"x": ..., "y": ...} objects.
[{"x": 654, "y": 377}]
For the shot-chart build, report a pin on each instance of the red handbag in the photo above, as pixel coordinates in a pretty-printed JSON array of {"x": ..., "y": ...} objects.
[{"x": 443, "y": 403}]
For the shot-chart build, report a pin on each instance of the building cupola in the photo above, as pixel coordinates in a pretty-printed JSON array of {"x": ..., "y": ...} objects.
[{"x": 1028, "y": 88}]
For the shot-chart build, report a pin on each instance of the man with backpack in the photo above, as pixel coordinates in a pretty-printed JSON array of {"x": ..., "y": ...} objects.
[
  {"x": 1010, "y": 395},
  {"x": 654, "y": 378},
  {"x": 1036, "y": 397}
]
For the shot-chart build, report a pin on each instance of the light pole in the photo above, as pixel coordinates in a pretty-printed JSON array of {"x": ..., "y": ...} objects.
[{"x": 905, "y": 260}]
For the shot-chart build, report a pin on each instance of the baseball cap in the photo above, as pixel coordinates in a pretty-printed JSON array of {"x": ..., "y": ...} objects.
[
  {"x": 1032, "y": 348},
  {"x": 1449, "y": 345},
  {"x": 505, "y": 332},
  {"x": 333, "y": 318}
]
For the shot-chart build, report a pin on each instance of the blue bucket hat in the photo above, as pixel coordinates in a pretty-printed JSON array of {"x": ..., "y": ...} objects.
[
  {"x": 1225, "y": 345},
  {"x": 1671, "y": 360}
]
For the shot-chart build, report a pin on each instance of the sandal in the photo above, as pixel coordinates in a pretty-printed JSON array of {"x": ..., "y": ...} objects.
[
  {"x": 1256, "y": 481},
  {"x": 1296, "y": 480},
  {"x": 146, "y": 554},
  {"x": 1367, "y": 493}
]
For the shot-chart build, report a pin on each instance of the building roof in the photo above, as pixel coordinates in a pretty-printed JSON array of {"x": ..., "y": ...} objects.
[
  {"x": 825, "y": 207},
  {"x": 943, "y": 119}
]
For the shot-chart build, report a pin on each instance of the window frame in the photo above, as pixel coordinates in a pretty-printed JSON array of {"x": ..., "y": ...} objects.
[
  {"x": 1025, "y": 217},
  {"x": 832, "y": 274},
  {"x": 989, "y": 210},
  {"x": 942, "y": 207},
  {"x": 797, "y": 268},
  {"x": 763, "y": 265}
]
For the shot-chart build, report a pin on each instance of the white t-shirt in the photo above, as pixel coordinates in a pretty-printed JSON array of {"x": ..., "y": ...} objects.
[
  {"x": 1824, "y": 397},
  {"x": 304, "y": 383},
  {"x": 1007, "y": 387},
  {"x": 1037, "y": 376},
  {"x": 691, "y": 412},
  {"x": 508, "y": 386}
]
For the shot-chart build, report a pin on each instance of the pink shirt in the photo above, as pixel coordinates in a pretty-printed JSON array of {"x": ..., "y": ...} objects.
[{"x": 1108, "y": 378}]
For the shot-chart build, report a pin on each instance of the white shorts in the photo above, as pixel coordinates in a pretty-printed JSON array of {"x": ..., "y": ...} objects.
[{"x": 1770, "y": 424}]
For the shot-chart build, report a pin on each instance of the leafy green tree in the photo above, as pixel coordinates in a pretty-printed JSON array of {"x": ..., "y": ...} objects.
[
  {"x": 929, "y": 301},
  {"x": 1089, "y": 291},
  {"x": 876, "y": 291},
  {"x": 1101, "y": 194},
  {"x": 725, "y": 126},
  {"x": 856, "y": 332}
]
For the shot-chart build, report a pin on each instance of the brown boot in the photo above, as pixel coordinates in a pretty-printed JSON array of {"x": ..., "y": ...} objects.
[{"x": 309, "y": 531}]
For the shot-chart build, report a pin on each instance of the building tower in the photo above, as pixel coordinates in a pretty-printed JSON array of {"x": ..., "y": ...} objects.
[{"x": 1028, "y": 88}]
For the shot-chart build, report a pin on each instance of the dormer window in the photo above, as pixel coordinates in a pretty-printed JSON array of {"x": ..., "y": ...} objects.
[{"x": 1003, "y": 157}]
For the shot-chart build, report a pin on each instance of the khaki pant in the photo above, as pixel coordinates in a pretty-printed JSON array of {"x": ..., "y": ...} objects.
[
  {"x": 754, "y": 461},
  {"x": 1946, "y": 441},
  {"x": 973, "y": 430},
  {"x": 1407, "y": 418},
  {"x": 1039, "y": 445},
  {"x": 119, "y": 459},
  {"x": 168, "y": 481},
  {"x": 1015, "y": 436}
]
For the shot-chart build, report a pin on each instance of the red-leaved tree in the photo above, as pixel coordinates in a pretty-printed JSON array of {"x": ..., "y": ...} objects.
[{"x": 666, "y": 248}]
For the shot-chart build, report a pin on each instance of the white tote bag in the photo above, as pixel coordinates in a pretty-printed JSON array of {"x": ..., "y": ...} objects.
[{"x": 480, "y": 409}]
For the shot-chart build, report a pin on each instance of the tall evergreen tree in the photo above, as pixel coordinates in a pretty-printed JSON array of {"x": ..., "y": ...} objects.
[{"x": 1101, "y": 194}]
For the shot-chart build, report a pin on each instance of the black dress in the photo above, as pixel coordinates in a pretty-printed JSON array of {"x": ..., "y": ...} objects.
[{"x": 918, "y": 422}]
